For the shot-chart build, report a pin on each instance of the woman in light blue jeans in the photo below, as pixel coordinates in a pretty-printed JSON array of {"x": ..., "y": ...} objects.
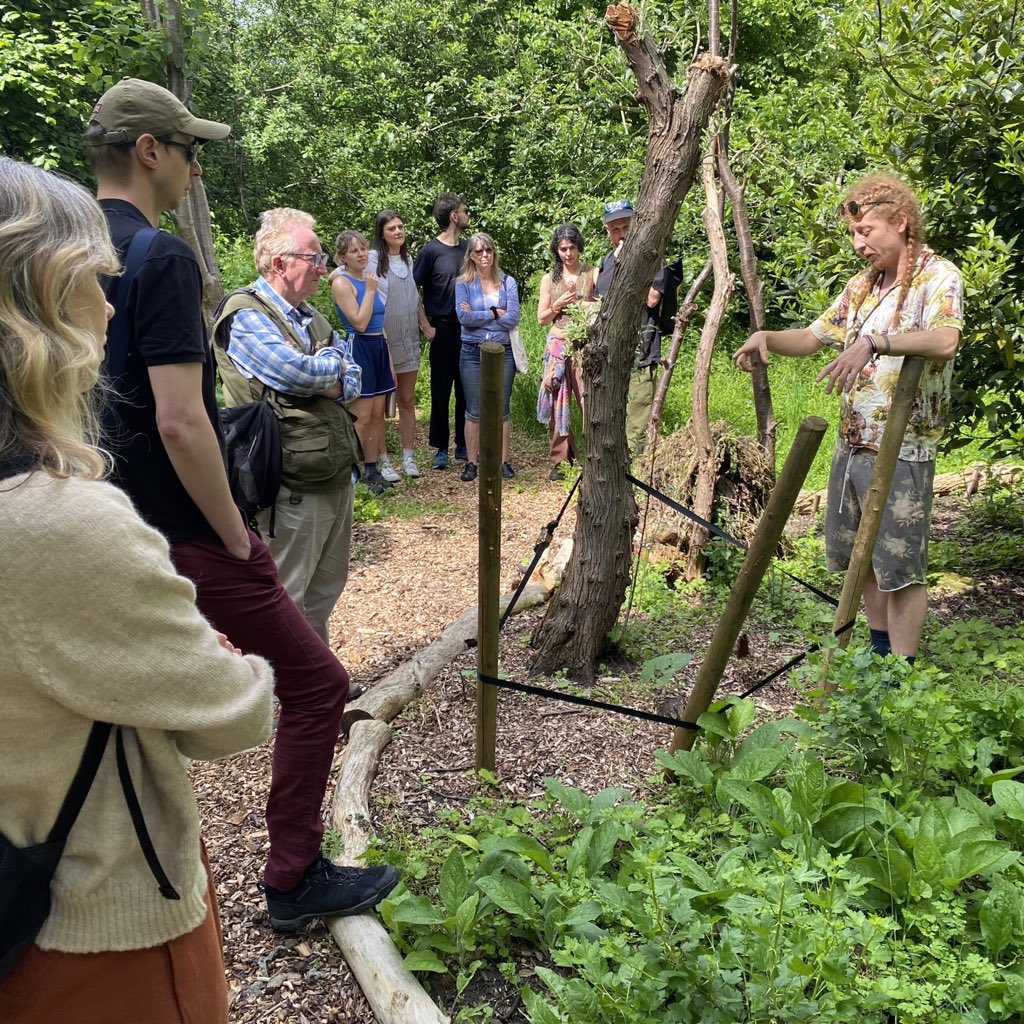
[{"x": 487, "y": 304}]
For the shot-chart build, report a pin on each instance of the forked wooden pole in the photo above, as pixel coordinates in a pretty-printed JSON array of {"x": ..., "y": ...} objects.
[
  {"x": 759, "y": 555},
  {"x": 492, "y": 366},
  {"x": 874, "y": 505}
]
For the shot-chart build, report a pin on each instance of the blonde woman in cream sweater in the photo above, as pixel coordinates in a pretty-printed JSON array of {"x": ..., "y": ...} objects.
[{"x": 95, "y": 625}]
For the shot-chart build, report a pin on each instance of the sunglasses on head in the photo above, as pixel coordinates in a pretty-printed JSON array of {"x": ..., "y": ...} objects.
[{"x": 855, "y": 209}]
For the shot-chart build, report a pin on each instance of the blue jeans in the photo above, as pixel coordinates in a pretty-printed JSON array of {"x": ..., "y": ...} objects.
[{"x": 469, "y": 369}]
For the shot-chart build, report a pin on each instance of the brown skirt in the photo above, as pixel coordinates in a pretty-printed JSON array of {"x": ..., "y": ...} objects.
[{"x": 180, "y": 982}]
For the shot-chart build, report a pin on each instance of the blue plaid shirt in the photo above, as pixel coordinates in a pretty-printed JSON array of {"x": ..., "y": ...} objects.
[{"x": 258, "y": 350}]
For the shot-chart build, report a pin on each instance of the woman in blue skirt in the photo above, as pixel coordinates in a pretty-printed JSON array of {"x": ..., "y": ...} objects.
[{"x": 361, "y": 311}]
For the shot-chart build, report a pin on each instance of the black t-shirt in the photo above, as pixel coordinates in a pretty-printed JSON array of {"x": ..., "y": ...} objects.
[
  {"x": 649, "y": 347},
  {"x": 436, "y": 268},
  {"x": 166, "y": 326}
]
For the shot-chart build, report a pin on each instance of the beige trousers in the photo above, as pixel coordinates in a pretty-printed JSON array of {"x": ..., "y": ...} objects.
[{"x": 312, "y": 537}]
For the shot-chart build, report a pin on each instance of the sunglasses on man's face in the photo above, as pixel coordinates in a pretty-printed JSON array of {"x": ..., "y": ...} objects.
[
  {"x": 191, "y": 148},
  {"x": 855, "y": 209}
]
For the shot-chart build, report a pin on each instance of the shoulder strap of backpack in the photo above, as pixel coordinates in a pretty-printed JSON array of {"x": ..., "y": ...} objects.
[
  {"x": 117, "y": 331},
  {"x": 81, "y": 783}
]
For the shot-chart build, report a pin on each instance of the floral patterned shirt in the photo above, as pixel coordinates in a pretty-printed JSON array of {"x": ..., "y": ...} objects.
[{"x": 934, "y": 300}]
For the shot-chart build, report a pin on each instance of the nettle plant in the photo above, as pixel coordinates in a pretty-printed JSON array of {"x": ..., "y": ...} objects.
[{"x": 793, "y": 870}]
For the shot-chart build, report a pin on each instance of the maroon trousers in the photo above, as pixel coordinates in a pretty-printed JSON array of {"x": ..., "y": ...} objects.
[{"x": 246, "y": 602}]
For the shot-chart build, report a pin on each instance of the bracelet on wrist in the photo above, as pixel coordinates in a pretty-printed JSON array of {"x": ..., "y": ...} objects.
[
  {"x": 870, "y": 339},
  {"x": 888, "y": 344}
]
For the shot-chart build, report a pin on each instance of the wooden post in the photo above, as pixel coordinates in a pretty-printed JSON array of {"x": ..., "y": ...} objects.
[
  {"x": 760, "y": 553},
  {"x": 878, "y": 493},
  {"x": 492, "y": 402}
]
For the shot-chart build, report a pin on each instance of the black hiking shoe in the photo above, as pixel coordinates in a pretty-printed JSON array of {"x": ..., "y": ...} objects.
[
  {"x": 468, "y": 472},
  {"x": 327, "y": 890},
  {"x": 557, "y": 472},
  {"x": 507, "y": 471}
]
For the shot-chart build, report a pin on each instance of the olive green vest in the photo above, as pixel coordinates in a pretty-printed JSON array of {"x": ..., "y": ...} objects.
[{"x": 318, "y": 442}]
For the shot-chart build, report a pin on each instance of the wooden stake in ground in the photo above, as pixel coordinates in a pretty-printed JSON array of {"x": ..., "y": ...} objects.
[
  {"x": 759, "y": 555},
  {"x": 574, "y": 633},
  {"x": 492, "y": 367},
  {"x": 874, "y": 505}
]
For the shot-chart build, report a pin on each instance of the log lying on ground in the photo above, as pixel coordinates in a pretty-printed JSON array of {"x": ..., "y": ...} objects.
[
  {"x": 970, "y": 480},
  {"x": 391, "y": 989},
  {"x": 387, "y": 698}
]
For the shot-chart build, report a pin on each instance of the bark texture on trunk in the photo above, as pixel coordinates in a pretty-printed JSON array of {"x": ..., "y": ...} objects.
[
  {"x": 192, "y": 216},
  {"x": 707, "y": 474},
  {"x": 574, "y": 631}
]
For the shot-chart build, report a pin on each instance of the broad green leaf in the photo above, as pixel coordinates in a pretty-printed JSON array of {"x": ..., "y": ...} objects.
[
  {"x": 843, "y": 822},
  {"x": 1001, "y": 917},
  {"x": 1009, "y": 797},
  {"x": 807, "y": 786},
  {"x": 513, "y": 897},
  {"x": 575, "y": 801},
  {"x": 662, "y": 670},
  {"x": 983, "y": 858},
  {"x": 454, "y": 882},
  {"x": 419, "y": 910},
  {"x": 424, "y": 960},
  {"x": 741, "y": 716},
  {"x": 756, "y": 764},
  {"x": 686, "y": 764},
  {"x": 578, "y": 852},
  {"x": 465, "y": 915},
  {"x": 601, "y": 848},
  {"x": 753, "y": 796}
]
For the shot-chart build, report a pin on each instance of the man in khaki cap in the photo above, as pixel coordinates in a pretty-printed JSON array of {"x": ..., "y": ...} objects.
[{"x": 169, "y": 458}]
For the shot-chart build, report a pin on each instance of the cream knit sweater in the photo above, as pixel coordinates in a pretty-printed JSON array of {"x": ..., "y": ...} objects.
[{"x": 96, "y": 625}]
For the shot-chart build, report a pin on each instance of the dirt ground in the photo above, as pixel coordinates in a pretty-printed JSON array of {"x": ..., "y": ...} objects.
[{"x": 411, "y": 577}]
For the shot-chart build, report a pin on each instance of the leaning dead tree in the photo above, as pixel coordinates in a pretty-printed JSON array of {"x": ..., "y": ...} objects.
[{"x": 574, "y": 631}]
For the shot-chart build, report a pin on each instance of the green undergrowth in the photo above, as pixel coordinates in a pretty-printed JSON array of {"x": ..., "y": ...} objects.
[{"x": 857, "y": 863}]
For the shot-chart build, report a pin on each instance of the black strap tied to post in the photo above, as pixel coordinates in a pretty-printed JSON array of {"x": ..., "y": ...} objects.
[
  {"x": 543, "y": 540},
  {"x": 572, "y": 698},
  {"x": 717, "y": 531}
]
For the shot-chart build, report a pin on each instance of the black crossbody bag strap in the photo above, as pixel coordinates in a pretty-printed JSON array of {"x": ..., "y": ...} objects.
[
  {"x": 142, "y": 833},
  {"x": 81, "y": 783}
]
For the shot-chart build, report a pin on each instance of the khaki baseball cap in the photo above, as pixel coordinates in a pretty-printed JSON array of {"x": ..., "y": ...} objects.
[{"x": 134, "y": 107}]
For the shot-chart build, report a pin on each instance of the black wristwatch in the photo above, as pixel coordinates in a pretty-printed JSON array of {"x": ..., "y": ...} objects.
[{"x": 494, "y": 312}]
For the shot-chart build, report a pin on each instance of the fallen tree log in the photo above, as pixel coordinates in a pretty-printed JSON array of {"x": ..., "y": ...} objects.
[
  {"x": 388, "y": 697},
  {"x": 393, "y": 992}
]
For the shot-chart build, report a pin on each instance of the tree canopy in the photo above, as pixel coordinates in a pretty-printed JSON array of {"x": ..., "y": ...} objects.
[{"x": 529, "y": 111}]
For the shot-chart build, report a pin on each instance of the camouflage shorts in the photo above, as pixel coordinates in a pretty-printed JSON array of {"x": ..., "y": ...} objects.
[{"x": 900, "y": 557}]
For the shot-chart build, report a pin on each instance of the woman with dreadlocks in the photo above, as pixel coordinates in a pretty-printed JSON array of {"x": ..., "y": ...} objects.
[{"x": 906, "y": 302}]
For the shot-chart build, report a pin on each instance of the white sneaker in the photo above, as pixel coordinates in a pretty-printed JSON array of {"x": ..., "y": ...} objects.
[
  {"x": 387, "y": 471},
  {"x": 409, "y": 466}
]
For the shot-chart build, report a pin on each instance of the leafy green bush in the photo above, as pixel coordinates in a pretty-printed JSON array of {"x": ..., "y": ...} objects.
[{"x": 862, "y": 865}]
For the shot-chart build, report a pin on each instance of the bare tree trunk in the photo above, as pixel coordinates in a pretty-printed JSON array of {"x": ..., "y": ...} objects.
[
  {"x": 575, "y": 630},
  {"x": 707, "y": 474},
  {"x": 192, "y": 216},
  {"x": 682, "y": 318},
  {"x": 766, "y": 425}
]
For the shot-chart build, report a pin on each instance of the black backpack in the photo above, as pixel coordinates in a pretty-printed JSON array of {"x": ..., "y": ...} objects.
[
  {"x": 665, "y": 315},
  {"x": 252, "y": 439}
]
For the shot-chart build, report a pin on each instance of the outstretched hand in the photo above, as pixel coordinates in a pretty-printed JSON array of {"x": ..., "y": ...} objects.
[
  {"x": 844, "y": 371},
  {"x": 753, "y": 350}
]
